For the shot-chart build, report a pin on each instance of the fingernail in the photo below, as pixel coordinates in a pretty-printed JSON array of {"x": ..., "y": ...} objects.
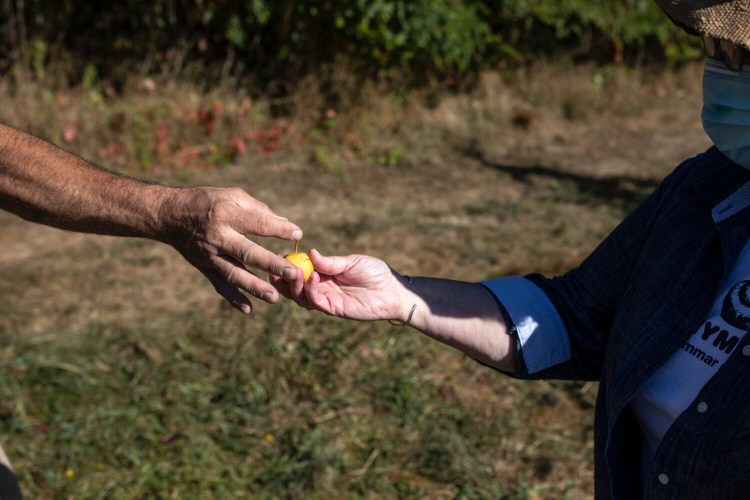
[
  {"x": 289, "y": 273},
  {"x": 297, "y": 234},
  {"x": 267, "y": 296},
  {"x": 245, "y": 309}
]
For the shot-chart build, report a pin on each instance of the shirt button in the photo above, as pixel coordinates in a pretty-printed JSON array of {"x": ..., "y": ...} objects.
[
  {"x": 746, "y": 350},
  {"x": 702, "y": 407},
  {"x": 663, "y": 479}
]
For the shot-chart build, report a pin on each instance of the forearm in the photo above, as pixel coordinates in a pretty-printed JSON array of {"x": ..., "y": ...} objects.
[
  {"x": 43, "y": 183},
  {"x": 463, "y": 315}
]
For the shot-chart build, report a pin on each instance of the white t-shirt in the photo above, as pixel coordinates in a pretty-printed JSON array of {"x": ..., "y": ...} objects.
[{"x": 674, "y": 387}]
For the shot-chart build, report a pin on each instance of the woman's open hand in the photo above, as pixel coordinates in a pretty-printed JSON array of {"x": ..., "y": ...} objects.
[{"x": 354, "y": 287}]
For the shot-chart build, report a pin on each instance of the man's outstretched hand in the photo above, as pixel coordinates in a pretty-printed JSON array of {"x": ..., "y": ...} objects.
[{"x": 209, "y": 227}]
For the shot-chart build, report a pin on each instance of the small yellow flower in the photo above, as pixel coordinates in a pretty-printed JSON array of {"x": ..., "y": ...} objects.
[
  {"x": 69, "y": 473},
  {"x": 269, "y": 438}
]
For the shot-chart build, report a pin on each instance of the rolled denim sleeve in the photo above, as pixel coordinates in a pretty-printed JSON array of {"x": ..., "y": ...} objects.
[{"x": 542, "y": 338}]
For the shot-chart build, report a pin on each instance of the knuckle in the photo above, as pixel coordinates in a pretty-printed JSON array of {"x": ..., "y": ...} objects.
[
  {"x": 220, "y": 211},
  {"x": 262, "y": 225},
  {"x": 210, "y": 243},
  {"x": 236, "y": 192},
  {"x": 248, "y": 254},
  {"x": 262, "y": 206},
  {"x": 233, "y": 275},
  {"x": 253, "y": 286}
]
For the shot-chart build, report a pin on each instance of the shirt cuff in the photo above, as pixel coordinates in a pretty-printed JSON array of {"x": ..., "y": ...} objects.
[{"x": 541, "y": 333}]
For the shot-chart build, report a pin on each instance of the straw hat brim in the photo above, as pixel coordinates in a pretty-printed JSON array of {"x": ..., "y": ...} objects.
[{"x": 723, "y": 19}]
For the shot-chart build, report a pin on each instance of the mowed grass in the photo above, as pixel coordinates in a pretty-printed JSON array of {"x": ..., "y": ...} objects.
[{"x": 122, "y": 375}]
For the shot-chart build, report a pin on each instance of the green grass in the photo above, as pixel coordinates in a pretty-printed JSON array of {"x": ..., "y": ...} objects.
[{"x": 300, "y": 408}]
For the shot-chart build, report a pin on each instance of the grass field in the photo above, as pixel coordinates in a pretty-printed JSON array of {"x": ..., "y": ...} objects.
[{"x": 122, "y": 374}]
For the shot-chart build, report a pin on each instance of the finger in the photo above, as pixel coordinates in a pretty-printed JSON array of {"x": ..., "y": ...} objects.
[
  {"x": 316, "y": 299},
  {"x": 255, "y": 256},
  {"x": 311, "y": 290},
  {"x": 297, "y": 290},
  {"x": 287, "y": 289},
  {"x": 310, "y": 287},
  {"x": 237, "y": 276},
  {"x": 281, "y": 286},
  {"x": 264, "y": 224},
  {"x": 243, "y": 199},
  {"x": 331, "y": 266},
  {"x": 229, "y": 292}
]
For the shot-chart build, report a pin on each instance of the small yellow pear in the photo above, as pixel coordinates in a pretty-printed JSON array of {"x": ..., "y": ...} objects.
[{"x": 301, "y": 260}]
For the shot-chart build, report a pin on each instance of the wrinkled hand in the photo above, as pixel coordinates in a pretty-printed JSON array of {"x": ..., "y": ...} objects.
[
  {"x": 209, "y": 227},
  {"x": 354, "y": 287}
]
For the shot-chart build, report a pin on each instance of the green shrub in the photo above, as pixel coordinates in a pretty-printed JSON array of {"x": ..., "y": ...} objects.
[{"x": 279, "y": 41}]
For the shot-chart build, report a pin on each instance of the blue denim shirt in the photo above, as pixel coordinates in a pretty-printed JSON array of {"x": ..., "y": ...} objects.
[{"x": 622, "y": 314}]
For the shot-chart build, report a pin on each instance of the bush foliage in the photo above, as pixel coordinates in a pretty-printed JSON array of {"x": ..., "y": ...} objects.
[{"x": 278, "y": 40}]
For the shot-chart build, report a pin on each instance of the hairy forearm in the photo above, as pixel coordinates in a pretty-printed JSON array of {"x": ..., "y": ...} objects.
[
  {"x": 44, "y": 183},
  {"x": 460, "y": 314}
]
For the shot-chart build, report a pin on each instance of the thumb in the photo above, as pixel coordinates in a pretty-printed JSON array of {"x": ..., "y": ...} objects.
[{"x": 331, "y": 266}]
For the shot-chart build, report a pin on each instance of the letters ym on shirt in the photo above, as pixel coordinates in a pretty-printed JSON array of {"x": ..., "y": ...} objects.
[
  {"x": 735, "y": 311},
  {"x": 721, "y": 339}
]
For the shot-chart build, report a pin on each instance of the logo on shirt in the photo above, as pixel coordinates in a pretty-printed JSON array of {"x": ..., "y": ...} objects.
[
  {"x": 735, "y": 311},
  {"x": 736, "y": 307}
]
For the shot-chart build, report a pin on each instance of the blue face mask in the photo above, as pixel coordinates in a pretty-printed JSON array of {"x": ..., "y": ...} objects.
[{"x": 726, "y": 110}]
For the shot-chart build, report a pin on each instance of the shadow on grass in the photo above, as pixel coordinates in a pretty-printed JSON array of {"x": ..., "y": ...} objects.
[{"x": 621, "y": 192}]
